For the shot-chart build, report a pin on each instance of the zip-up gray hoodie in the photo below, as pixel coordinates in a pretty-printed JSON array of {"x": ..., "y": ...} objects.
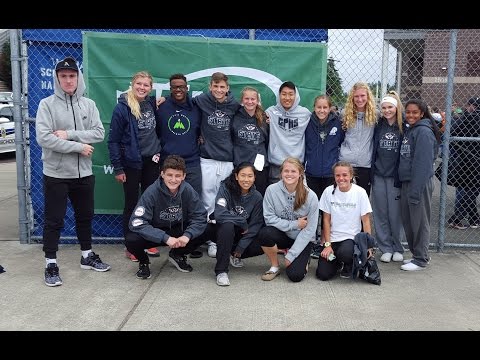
[
  {"x": 79, "y": 117},
  {"x": 278, "y": 212},
  {"x": 287, "y": 131}
]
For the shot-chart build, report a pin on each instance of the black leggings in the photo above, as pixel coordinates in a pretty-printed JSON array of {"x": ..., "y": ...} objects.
[
  {"x": 227, "y": 236},
  {"x": 270, "y": 236},
  {"x": 343, "y": 250}
]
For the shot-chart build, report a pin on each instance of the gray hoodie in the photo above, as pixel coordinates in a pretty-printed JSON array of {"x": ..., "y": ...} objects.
[
  {"x": 287, "y": 131},
  {"x": 77, "y": 115},
  {"x": 278, "y": 211},
  {"x": 417, "y": 156}
]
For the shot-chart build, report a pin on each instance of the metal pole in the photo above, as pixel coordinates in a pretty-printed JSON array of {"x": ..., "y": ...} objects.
[
  {"x": 384, "y": 68},
  {"x": 28, "y": 163},
  {"x": 445, "y": 149},
  {"x": 19, "y": 135},
  {"x": 251, "y": 34},
  {"x": 399, "y": 71}
]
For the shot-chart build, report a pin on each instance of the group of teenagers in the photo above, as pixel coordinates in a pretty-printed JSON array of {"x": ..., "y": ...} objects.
[{"x": 245, "y": 180}]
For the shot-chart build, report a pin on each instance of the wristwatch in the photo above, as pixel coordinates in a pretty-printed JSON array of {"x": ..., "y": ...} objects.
[{"x": 327, "y": 244}]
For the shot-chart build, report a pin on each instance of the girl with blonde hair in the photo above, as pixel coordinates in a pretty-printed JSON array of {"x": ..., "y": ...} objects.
[
  {"x": 359, "y": 118},
  {"x": 134, "y": 145}
]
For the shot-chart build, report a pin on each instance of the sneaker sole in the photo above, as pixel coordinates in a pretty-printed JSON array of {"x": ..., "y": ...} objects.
[
  {"x": 223, "y": 284},
  {"x": 132, "y": 258},
  {"x": 407, "y": 261},
  {"x": 88, "y": 267},
  {"x": 152, "y": 254},
  {"x": 270, "y": 276},
  {"x": 418, "y": 268},
  {"x": 56, "y": 284},
  {"x": 144, "y": 278},
  {"x": 176, "y": 265}
]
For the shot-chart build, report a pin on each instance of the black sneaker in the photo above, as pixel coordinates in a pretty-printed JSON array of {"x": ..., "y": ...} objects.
[
  {"x": 346, "y": 273},
  {"x": 195, "y": 254},
  {"x": 143, "y": 272},
  {"x": 52, "y": 277},
  {"x": 93, "y": 262},
  {"x": 315, "y": 254},
  {"x": 180, "y": 263}
]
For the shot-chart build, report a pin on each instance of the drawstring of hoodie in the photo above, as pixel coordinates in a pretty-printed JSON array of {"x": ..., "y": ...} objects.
[{"x": 66, "y": 96}]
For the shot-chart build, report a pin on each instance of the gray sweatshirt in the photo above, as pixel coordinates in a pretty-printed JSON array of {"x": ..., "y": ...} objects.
[
  {"x": 287, "y": 131},
  {"x": 77, "y": 115},
  {"x": 358, "y": 144},
  {"x": 278, "y": 212}
]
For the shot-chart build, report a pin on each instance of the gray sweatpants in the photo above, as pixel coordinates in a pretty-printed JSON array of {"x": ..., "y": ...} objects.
[
  {"x": 387, "y": 218},
  {"x": 416, "y": 222}
]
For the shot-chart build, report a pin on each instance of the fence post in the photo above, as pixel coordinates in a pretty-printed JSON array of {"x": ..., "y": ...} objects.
[
  {"x": 445, "y": 149},
  {"x": 251, "y": 34},
  {"x": 19, "y": 136}
]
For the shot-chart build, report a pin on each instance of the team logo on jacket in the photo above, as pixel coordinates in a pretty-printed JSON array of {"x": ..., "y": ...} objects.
[
  {"x": 240, "y": 210},
  {"x": 219, "y": 120},
  {"x": 333, "y": 132},
  {"x": 288, "y": 124},
  {"x": 405, "y": 148},
  {"x": 139, "y": 211},
  {"x": 178, "y": 123},
  {"x": 172, "y": 213},
  {"x": 137, "y": 222},
  {"x": 389, "y": 141},
  {"x": 249, "y": 133},
  {"x": 288, "y": 214}
]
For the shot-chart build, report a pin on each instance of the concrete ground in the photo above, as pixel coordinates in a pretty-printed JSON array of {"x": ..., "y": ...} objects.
[{"x": 442, "y": 297}]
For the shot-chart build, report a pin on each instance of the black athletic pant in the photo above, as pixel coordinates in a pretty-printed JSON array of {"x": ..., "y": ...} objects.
[{"x": 57, "y": 192}]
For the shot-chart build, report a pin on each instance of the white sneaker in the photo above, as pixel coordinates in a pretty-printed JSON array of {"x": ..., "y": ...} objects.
[
  {"x": 386, "y": 257},
  {"x": 236, "y": 262},
  {"x": 212, "y": 250},
  {"x": 222, "y": 279},
  {"x": 397, "y": 257},
  {"x": 411, "y": 267},
  {"x": 408, "y": 261}
]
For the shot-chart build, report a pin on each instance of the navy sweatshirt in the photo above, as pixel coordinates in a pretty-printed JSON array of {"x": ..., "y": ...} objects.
[
  {"x": 123, "y": 144},
  {"x": 248, "y": 138},
  {"x": 322, "y": 145},
  {"x": 180, "y": 129}
]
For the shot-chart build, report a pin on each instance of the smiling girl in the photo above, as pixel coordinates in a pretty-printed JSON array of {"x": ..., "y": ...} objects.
[{"x": 415, "y": 171}]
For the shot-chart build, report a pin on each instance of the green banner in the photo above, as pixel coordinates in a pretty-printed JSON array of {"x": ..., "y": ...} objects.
[{"x": 110, "y": 60}]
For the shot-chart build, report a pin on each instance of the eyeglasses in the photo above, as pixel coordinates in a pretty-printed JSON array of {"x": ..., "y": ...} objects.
[{"x": 180, "y": 87}]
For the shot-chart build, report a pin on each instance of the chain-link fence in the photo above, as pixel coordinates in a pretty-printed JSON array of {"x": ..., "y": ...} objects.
[{"x": 441, "y": 67}]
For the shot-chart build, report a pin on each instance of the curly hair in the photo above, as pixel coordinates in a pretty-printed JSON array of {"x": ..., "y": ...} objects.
[{"x": 350, "y": 114}]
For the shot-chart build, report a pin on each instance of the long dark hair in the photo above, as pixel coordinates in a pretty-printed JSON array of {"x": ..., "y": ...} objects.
[
  {"x": 422, "y": 105},
  {"x": 232, "y": 184}
]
